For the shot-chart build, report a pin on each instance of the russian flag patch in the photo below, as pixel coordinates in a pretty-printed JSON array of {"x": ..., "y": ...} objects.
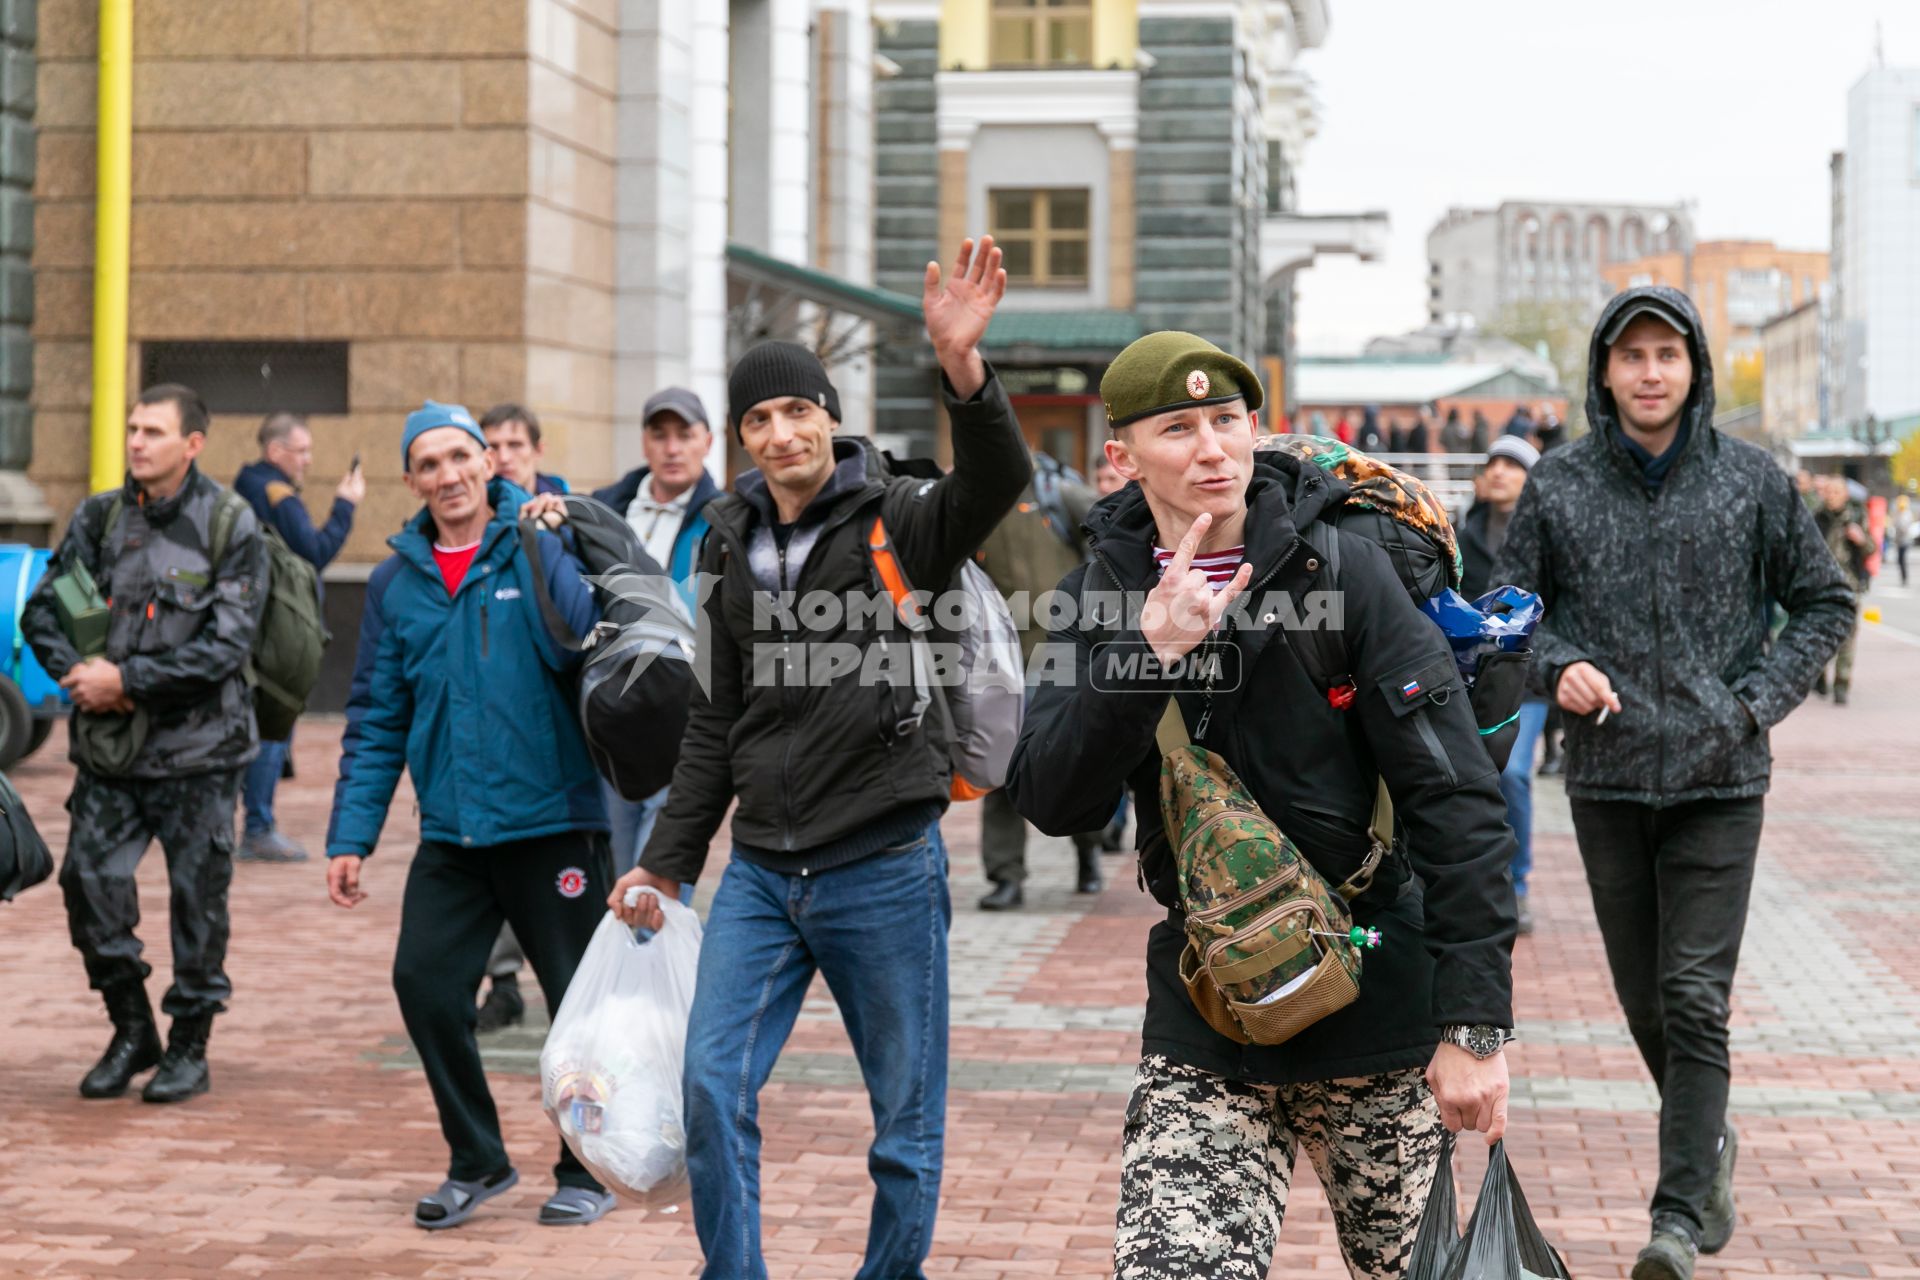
[{"x": 1411, "y": 689}]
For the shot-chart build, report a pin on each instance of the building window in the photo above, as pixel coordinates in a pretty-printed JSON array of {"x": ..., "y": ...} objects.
[
  {"x": 1042, "y": 33},
  {"x": 1044, "y": 235},
  {"x": 253, "y": 377}
]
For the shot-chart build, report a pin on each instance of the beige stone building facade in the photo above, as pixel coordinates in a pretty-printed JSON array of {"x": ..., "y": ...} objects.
[
  {"x": 431, "y": 182},
  {"x": 1794, "y": 353}
]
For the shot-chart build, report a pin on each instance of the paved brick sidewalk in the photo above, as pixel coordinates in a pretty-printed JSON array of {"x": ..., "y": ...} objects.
[{"x": 318, "y": 1135}]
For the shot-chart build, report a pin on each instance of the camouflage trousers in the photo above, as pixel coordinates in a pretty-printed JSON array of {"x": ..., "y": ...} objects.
[
  {"x": 1208, "y": 1162},
  {"x": 114, "y": 820}
]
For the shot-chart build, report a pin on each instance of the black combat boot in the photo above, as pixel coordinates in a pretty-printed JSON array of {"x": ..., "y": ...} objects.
[
  {"x": 135, "y": 1046},
  {"x": 183, "y": 1072}
]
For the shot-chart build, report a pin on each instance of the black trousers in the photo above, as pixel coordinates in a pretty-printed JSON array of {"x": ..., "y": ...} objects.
[
  {"x": 114, "y": 820},
  {"x": 553, "y": 891},
  {"x": 1670, "y": 889}
]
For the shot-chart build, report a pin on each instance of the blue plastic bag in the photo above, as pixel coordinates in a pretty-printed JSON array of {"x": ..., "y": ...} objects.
[{"x": 1501, "y": 621}]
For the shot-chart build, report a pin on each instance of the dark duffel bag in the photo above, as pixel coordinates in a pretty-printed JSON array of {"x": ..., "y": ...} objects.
[{"x": 24, "y": 858}]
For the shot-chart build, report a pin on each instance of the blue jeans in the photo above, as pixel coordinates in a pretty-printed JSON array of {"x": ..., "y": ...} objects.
[
  {"x": 631, "y": 822},
  {"x": 256, "y": 789},
  {"x": 877, "y": 931},
  {"x": 1516, "y": 784}
]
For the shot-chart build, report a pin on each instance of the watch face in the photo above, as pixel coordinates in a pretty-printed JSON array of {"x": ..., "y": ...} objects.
[{"x": 1484, "y": 1042}]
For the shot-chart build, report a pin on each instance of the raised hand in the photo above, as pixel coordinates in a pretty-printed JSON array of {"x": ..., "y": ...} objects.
[
  {"x": 1183, "y": 608},
  {"x": 958, "y": 311}
]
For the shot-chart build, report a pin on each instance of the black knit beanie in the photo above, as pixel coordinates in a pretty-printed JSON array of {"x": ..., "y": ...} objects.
[{"x": 774, "y": 369}]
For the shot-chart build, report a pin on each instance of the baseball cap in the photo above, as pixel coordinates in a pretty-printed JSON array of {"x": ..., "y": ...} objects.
[
  {"x": 676, "y": 400},
  {"x": 1662, "y": 311},
  {"x": 1514, "y": 449}
]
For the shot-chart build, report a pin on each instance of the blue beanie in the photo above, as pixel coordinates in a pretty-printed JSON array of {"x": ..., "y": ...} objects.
[{"x": 431, "y": 416}]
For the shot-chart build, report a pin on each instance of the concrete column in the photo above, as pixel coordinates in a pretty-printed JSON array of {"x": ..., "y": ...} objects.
[
  {"x": 707, "y": 207},
  {"x": 844, "y": 178},
  {"x": 652, "y": 261}
]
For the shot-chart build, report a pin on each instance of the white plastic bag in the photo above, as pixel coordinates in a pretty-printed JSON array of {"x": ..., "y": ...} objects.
[{"x": 610, "y": 1072}]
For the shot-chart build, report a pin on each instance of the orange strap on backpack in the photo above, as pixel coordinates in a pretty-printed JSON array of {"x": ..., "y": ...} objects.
[{"x": 911, "y": 616}]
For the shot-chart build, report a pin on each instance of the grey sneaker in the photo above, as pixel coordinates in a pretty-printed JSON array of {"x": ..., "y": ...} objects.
[
  {"x": 1669, "y": 1254},
  {"x": 271, "y": 846},
  {"x": 1716, "y": 1219}
]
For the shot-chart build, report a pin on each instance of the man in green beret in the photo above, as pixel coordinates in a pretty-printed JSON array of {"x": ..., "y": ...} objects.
[{"x": 1207, "y": 529}]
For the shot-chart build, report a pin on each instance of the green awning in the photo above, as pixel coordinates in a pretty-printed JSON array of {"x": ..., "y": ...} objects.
[
  {"x": 1088, "y": 331},
  {"x": 882, "y": 306}
]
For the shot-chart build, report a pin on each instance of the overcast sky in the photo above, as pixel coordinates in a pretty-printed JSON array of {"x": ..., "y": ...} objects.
[{"x": 1735, "y": 105}]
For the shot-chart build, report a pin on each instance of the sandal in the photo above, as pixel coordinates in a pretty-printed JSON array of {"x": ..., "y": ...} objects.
[
  {"x": 575, "y": 1207},
  {"x": 455, "y": 1201}
]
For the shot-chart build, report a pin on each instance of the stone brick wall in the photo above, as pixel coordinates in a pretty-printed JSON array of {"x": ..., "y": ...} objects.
[
  {"x": 18, "y": 29},
  {"x": 1191, "y": 251},
  {"x": 906, "y": 214},
  {"x": 430, "y": 180}
]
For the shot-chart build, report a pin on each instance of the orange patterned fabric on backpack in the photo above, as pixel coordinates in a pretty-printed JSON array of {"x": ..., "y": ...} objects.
[{"x": 1400, "y": 497}]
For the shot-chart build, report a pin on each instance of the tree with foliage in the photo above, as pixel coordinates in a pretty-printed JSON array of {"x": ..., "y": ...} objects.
[
  {"x": 1746, "y": 381},
  {"x": 1563, "y": 328}
]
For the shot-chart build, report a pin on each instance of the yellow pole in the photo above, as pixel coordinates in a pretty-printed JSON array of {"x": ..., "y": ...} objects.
[{"x": 113, "y": 216}]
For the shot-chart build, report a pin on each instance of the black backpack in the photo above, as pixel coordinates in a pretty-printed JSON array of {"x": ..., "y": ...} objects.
[
  {"x": 24, "y": 858},
  {"x": 638, "y": 675}
]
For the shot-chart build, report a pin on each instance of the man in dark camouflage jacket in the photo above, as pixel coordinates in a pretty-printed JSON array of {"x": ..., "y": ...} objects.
[
  {"x": 1659, "y": 546},
  {"x": 163, "y": 727}
]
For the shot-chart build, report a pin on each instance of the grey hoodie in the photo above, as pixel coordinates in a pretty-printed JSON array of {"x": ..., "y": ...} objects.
[{"x": 1669, "y": 593}]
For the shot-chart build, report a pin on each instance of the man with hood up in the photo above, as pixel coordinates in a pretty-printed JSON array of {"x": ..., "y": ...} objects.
[{"x": 1659, "y": 545}]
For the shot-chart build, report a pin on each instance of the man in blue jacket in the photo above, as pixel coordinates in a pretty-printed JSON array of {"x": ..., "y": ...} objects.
[
  {"x": 271, "y": 484},
  {"x": 457, "y": 681},
  {"x": 663, "y": 502}
]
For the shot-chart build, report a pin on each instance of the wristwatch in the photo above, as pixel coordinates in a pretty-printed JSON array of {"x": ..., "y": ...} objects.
[{"x": 1480, "y": 1041}]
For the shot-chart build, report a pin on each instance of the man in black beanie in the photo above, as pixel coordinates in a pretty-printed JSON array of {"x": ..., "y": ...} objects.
[{"x": 838, "y": 865}]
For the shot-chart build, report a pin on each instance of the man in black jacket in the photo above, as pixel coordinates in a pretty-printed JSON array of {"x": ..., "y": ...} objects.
[
  {"x": 1659, "y": 546},
  {"x": 162, "y": 729},
  {"x": 1214, "y": 1125},
  {"x": 838, "y": 866}
]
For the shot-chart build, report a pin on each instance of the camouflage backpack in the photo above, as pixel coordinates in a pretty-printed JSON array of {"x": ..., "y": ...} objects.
[{"x": 1271, "y": 948}]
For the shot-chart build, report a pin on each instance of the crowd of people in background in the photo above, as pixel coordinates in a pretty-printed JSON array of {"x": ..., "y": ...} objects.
[{"x": 1665, "y": 757}]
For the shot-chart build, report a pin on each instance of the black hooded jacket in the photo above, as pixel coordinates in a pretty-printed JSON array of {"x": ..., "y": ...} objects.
[
  {"x": 1669, "y": 592},
  {"x": 1448, "y": 927},
  {"x": 823, "y": 772}
]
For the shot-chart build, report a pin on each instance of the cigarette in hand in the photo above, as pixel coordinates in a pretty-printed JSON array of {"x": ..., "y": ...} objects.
[{"x": 1603, "y": 717}]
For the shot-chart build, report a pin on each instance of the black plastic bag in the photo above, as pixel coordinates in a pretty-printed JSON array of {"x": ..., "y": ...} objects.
[
  {"x": 24, "y": 858},
  {"x": 1502, "y": 1242}
]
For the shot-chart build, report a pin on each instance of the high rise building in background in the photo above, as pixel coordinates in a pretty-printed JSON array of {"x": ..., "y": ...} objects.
[
  {"x": 1483, "y": 262},
  {"x": 1137, "y": 159},
  {"x": 1877, "y": 247}
]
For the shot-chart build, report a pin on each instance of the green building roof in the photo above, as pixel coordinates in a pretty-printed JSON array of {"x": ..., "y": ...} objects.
[{"x": 1106, "y": 331}]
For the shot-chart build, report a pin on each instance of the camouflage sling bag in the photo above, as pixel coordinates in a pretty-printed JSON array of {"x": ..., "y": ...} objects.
[{"x": 1269, "y": 947}]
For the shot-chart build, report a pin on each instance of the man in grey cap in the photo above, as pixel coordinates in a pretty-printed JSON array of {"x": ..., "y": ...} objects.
[
  {"x": 662, "y": 501},
  {"x": 1659, "y": 546}
]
